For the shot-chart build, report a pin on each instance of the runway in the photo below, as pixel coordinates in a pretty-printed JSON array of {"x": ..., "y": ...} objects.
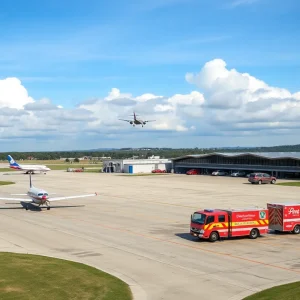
[{"x": 138, "y": 229}]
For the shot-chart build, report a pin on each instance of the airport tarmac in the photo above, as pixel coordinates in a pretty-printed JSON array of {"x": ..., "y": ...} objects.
[{"x": 138, "y": 228}]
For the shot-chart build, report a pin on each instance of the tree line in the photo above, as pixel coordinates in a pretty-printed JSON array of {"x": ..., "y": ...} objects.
[{"x": 142, "y": 152}]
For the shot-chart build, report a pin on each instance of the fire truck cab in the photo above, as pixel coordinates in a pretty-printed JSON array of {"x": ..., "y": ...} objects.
[{"x": 214, "y": 224}]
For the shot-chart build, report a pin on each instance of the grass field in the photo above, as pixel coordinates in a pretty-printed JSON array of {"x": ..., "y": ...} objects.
[
  {"x": 48, "y": 162},
  {"x": 5, "y": 169},
  {"x": 61, "y": 167},
  {"x": 72, "y": 166},
  {"x": 283, "y": 292},
  {"x": 6, "y": 182},
  {"x": 33, "y": 277},
  {"x": 296, "y": 183}
]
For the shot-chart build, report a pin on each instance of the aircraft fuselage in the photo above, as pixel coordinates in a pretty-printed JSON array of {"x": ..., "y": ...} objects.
[
  {"x": 138, "y": 122},
  {"x": 38, "y": 196}
]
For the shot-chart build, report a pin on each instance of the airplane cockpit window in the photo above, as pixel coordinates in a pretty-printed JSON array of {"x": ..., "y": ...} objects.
[
  {"x": 46, "y": 194},
  {"x": 40, "y": 194}
]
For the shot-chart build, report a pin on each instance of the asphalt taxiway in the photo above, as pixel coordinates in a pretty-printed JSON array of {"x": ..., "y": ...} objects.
[{"x": 138, "y": 229}]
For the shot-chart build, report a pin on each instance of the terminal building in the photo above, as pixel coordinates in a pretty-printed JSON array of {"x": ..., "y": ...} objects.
[
  {"x": 136, "y": 165},
  {"x": 279, "y": 164}
]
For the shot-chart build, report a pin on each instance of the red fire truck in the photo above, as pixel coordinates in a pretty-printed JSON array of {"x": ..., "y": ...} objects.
[
  {"x": 284, "y": 217},
  {"x": 214, "y": 224}
]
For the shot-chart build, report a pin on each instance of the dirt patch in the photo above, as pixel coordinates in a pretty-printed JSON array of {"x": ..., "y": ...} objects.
[{"x": 9, "y": 289}]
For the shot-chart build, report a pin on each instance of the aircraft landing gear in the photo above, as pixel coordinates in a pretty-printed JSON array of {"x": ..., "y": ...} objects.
[{"x": 48, "y": 208}]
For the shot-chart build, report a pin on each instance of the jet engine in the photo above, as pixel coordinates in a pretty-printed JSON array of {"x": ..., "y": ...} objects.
[{"x": 131, "y": 122}]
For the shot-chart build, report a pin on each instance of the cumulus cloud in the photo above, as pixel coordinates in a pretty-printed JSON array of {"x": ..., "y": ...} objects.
[
  {"x": 223, "y": 102},
  {"x": 13, "y": 94},
  {"x": 41, "y": 105},
  {"x": 118, "y": 105},
  {"x": 233, "y": 99}
]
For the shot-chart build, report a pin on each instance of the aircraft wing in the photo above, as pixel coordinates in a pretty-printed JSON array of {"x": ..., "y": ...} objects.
[
  {"x": 17, "y": 199},
  {"x": 70, "y": 197},
  {"x": 27, "y": 194},
  {"x": 126, "y": 120},
  {"x": 150, "y": 121}
]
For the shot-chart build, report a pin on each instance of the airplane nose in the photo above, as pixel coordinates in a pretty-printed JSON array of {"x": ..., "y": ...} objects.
[{"x": 44, "y": 197}]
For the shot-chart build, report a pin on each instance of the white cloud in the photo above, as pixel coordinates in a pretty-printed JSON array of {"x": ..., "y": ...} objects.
[
  {"x": 116, "y": 94},
  {"x": 235, "y": 100},
  {"x": 163, "y": 108},
  {"x": 13, "y": 94},
  {"x": 148, "y": 107},
  {"x": 146, "y": 97},
  {"x": 42, "y": 105},
  {"x": 224, "y": 102},
  {"x": 194, "y": 98}
]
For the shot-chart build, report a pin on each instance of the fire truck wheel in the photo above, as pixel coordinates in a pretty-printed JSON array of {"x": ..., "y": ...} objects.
[
  {"x": 214, "y": 236},
  {"x": 296, "y": 229},
  {"x": 254, "y": 233}
]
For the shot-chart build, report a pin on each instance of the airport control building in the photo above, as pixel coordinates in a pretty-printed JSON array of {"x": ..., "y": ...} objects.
[{"x": 279, "y": 164}]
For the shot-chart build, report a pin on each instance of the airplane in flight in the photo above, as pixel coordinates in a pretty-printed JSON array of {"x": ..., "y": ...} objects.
[
  {"x": 41, "y": 197},
  {"x": 136, "y": 121},
  {"x": 28, "y": 168}
]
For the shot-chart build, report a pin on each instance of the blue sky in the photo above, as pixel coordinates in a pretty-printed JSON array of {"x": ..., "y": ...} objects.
[{"x": 72, "y": 51}]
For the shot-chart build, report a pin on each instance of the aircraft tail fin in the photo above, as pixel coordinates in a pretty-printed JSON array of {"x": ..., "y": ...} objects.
[{"x": 12, "y": 163}]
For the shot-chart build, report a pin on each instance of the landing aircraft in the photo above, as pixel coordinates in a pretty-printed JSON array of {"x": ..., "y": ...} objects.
[
  {"x": 28, "y": 168},
  {"x": 41, "y": 197},
  {"x": 136, "y": 121}
]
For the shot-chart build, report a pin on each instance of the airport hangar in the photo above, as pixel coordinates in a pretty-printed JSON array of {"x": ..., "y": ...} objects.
[
  {"x": 134, "y": 166},
  {"x": 279, "y": 164}
]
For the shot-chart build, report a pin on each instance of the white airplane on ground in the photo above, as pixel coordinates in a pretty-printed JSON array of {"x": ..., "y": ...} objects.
[
  {"x": 41, "y": 197},
  {"x": 28, "y": 168}
]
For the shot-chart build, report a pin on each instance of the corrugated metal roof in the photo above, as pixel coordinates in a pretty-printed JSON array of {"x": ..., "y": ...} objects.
[
  {"x": 267, "y": 154},
  {"x": 270, "y": 155}
]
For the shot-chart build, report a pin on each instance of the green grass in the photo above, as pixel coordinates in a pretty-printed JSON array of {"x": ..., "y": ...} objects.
[
  {"x": 296, "y": 183},
  {"x": 49, "y": 162},
  {"x": 34, "y": 277},
  {"x": 283, "y": 292},
  {"x": 6, "y": 182},
  {"x": 72, "y": 166},
  {"x": 60, "y": 167},
  {"x": 6, "y": 169}
]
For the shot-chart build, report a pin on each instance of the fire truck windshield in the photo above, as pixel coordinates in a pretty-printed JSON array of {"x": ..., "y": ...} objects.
[{"x": 199, "y": 218}]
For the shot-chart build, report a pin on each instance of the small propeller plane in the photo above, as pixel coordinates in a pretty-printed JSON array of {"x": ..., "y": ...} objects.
[
  {"x": 41, "y": 197},
  {"x": 136, "y": 121}
]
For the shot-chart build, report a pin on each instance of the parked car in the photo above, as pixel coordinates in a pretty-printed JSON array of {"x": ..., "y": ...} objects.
[
  {"x": 261, "y": 178},
  {"x": 219, "y": 173},
  {"x": 193, "y": 172},
  {"x": 159, "y": 171},
  {"x": 238, "y": 174}
]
